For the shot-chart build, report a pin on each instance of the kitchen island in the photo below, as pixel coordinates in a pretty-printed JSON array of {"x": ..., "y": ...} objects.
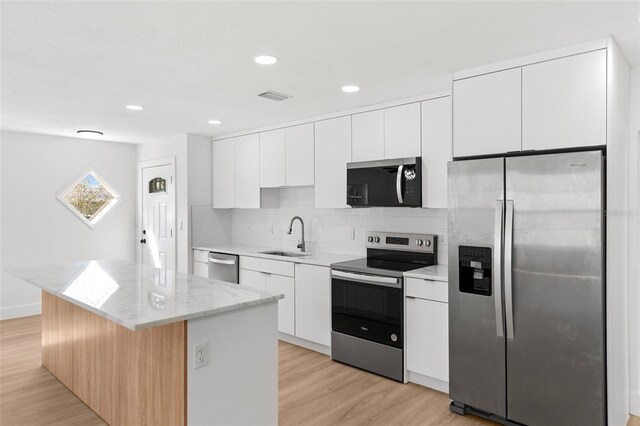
[{"x": 146, "y": 346}]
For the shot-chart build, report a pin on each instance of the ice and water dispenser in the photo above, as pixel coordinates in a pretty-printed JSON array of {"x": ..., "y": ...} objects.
[{"x": 474, "y": 265}]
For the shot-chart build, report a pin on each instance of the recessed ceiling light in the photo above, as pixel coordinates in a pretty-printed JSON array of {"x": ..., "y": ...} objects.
[
  {"x": 265, "y": 60},
  {"x": 89, "y": 133},
  {"x": 350, "y": 89},
  {"x": 215, "y": 122},
  {"x": 134, "y": 107}
]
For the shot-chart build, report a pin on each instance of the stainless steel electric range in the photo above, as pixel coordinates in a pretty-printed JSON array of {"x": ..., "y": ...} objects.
[{"x": 367, "y": 301}]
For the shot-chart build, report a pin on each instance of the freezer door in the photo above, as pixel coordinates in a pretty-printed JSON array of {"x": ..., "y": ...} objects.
[
  {"x": 554, "y": 289},
  {"x": 476, "y": 331}
]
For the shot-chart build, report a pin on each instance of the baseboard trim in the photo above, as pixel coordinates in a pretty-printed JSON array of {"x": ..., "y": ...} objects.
[
  {"x": 20, "y": 311},
  {"x": 326, "y": 350},
  {"x": 634, "y": 403},
  {"x": 428, "y": 382}
]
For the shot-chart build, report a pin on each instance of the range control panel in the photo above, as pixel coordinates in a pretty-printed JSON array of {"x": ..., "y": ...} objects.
[{"x": 395, "y": 241}]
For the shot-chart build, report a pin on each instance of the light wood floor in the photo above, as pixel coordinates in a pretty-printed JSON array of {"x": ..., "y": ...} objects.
[{"x": 313, "y": 391}]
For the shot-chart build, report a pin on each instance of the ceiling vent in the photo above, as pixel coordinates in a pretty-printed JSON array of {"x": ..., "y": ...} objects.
[{"x": 274, "y": 96}]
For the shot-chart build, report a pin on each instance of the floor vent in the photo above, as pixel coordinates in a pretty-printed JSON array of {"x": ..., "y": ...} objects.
[{"x": 274, "y": 96}]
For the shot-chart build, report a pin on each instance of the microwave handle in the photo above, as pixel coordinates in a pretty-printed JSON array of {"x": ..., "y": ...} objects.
[{"x": 399, "y": 184}]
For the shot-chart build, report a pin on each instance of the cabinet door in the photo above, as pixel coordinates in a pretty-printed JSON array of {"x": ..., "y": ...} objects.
[
  {"x": 402, "y": 131},
  {"x": 299, "y": 155},
  {"x": 368, "y": 136},
  {"x": 486, "y": 114},
  {"x": 428, "y": 338},
  {"x": 333, "y": 152},
  {"x": 436, "y": 151},
  {"x": 313, "y": 303},
  {"x": 564, "y": 102},
  {"x": 224, "y": 174},
  {"x": 272, "y": 158},
  {"x": 286, "y": 306},
  {"x": 248, "y": 171},
  {"x": 201, "y": 269},
  {"x": 253, "y": 279}
]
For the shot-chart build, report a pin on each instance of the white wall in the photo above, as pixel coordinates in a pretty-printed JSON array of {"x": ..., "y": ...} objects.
[
  {"x": 327, "y": 230},
  {"x": 38, "y": 229},
  {"x": 634, "y": 242}
]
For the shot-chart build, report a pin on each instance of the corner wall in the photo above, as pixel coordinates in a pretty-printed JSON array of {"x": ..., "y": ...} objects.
[
  {"x": 634, "y": 242},
  {"x": 38, "y": 229}
]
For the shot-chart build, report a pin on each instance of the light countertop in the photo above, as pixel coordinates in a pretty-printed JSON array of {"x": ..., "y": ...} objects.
[
  {"x": 312, "y": 258},
  {"x": 137, "y": 296},
  {"x": 435, "y": 272}
]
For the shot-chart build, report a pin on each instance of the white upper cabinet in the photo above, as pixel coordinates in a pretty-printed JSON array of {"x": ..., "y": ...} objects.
[
  {"x": 272, "y": 158},
  {"x": 368, "y": 136},
  {"x": 224, "y": 174},
  {"x": 564, "y": 102},
  {"x": 402, "y": 131},
  {"x": 486, "y": 114},
  {"x": 436, "y": 146},
  {"x": 247, "y": 170},
  {"x": 299, "y": 155},
  {"x": 332, "y": 153}
]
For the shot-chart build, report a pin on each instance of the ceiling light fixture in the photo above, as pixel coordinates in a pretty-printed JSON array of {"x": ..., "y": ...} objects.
[
  {"x": 89, "y": 132},
  {"x": 350, "y": 89},
  {"x": 134, "y": 107},
  {"x": 265, "y": 60},
  {"x": 215, "y": 122}
]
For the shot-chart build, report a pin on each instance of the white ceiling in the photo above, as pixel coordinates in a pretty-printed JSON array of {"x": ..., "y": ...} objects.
[{"x": 72, "y": 65}]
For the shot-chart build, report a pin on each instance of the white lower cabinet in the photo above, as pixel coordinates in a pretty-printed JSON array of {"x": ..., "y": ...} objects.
[
  {"x": 428, "y": 338},
  {"x": 201, "y": 269},
  {"x": 286, "y": 306},
  {"x": 313, "y": 303},
  {"x": 263, "y": 279}
]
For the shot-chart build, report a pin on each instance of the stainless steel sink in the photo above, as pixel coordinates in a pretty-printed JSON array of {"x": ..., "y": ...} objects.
[{"x": 284, "y": 253}]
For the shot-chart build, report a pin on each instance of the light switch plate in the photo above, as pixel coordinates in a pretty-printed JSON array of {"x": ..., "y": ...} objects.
[
  {"x": 200, "y": 355},
  {"x": 351, "y": 233}
]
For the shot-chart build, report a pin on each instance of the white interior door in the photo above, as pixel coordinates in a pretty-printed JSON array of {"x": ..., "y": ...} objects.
[{"x": 158, "y": 218}]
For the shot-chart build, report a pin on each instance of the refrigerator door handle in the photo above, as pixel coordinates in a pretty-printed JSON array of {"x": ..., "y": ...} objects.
[
  {"x": 497, "y": 265},
  {"x": 508, "y": 281}
]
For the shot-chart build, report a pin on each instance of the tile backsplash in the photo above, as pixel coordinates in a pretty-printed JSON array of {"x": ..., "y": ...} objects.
[{"x": 331, "y": 230}]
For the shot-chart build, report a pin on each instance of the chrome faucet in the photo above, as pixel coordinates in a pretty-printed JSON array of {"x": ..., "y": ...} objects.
[{"x": 301, "y": 243}]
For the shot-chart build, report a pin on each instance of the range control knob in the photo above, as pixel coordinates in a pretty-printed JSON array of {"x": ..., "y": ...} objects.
[
  {"x": 370, "y": 239},
  {"x": 376, "y": 239},
  {"x": 419, "y": 242},
  {"x": 427, "y": 243}
]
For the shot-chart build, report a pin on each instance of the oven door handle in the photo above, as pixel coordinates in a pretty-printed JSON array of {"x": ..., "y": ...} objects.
[{"x": 367, "y": 279}]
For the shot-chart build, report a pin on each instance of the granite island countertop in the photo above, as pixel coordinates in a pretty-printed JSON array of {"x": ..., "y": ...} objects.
[
  {"x": 137, "y": 296},
  {"x": 310, "y": 258}
]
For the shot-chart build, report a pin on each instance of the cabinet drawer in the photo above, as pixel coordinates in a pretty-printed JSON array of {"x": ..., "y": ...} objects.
[
  {"x": 201, "y": 256},
  {"x": 428, "y": 289},
  {"x": 266, "y": 265}
]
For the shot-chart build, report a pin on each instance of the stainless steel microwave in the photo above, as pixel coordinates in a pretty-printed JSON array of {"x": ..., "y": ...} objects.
[{"x": 385, "y": 183}]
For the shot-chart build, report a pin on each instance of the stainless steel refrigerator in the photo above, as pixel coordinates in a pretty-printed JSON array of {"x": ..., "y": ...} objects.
[{"x": 526, "y": 288}]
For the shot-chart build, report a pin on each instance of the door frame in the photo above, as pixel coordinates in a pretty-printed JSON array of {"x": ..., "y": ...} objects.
[{"x": 165, "y": 161}]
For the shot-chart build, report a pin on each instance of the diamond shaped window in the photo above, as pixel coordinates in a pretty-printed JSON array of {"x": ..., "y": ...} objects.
[{"x": 89, "y": 197}]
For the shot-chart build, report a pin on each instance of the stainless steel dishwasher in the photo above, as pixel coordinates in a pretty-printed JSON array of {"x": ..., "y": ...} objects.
[{"x": 223, "y": 267}]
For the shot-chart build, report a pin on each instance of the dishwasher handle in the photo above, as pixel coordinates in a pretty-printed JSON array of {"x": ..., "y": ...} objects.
[{"x": 214, "y": 259}]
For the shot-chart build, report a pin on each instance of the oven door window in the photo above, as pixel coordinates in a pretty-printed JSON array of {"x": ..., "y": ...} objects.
[{"x": 368, "y": 311}]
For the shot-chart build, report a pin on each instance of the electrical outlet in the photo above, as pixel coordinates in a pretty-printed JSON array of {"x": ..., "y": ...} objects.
[
  {"x": 351, "y": 233},
  {"x": 271, "y": 229},
  {"x": 442, "y": 241},
  {"x": 200, "y": 355},
  {"x": 249, "y": 227}
]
